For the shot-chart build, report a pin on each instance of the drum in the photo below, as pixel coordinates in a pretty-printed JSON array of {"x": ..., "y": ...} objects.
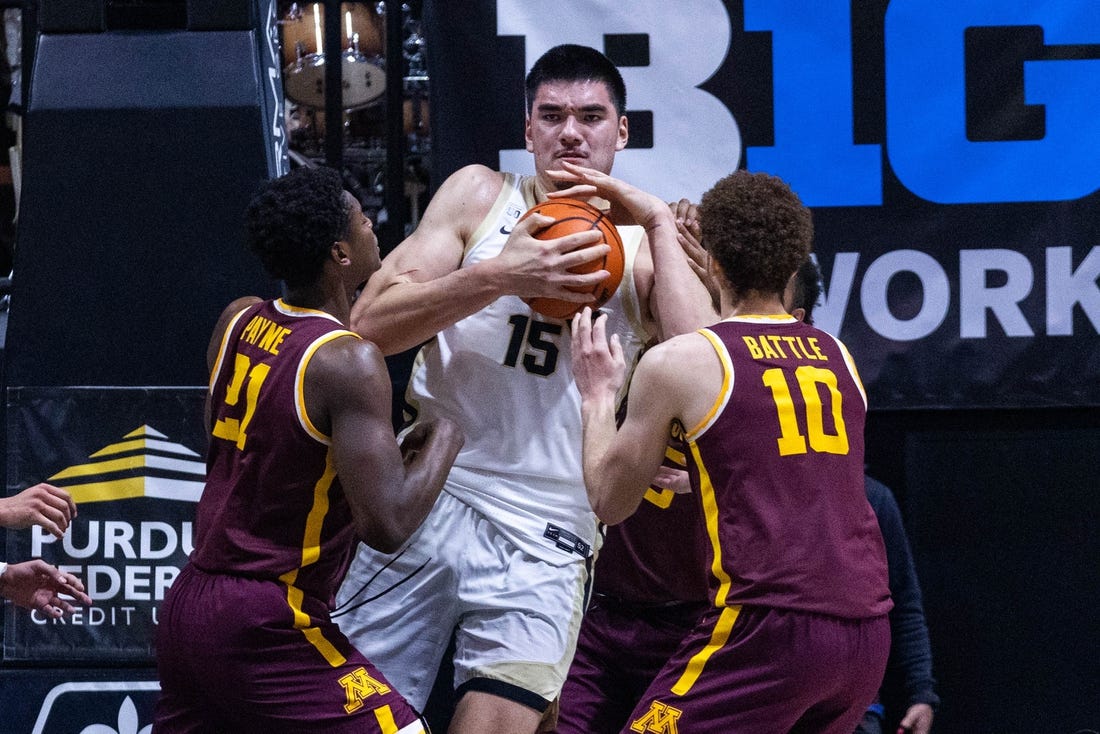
[{"x": 363, "y": 74}]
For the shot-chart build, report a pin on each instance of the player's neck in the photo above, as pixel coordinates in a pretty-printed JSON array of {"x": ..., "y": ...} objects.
[
  {"x": 327, "y": 296},
  {"x": 756, "y": 303}
]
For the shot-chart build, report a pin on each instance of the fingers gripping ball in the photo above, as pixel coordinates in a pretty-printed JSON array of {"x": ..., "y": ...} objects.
[{"x": 573, "y": 215}]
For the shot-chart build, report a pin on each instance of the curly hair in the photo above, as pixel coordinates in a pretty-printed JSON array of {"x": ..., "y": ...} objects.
[
  {"x": 572, "y": 63},
  {"x": 292, "y": 222},
  {"x": 757, "y": 229}
]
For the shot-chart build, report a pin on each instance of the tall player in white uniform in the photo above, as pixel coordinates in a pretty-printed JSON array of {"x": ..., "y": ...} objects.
[{"x": 503, "y": 560}]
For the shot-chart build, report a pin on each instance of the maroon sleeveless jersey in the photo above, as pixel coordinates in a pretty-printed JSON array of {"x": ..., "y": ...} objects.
[
  {"x": 272, "y": 507},
  {"x": 658, "y": 554},
  {"x": 778, "y": 465}
]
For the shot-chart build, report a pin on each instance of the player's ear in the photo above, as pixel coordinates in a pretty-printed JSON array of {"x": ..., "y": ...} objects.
[
  {"x": 338, "y": 254},
  {"x": 799, "y": 313}
]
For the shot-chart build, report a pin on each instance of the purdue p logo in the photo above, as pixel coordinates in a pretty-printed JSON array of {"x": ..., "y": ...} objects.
[
  {"x": 358, "y": 685},
  {"x": 660, "y": 719}
]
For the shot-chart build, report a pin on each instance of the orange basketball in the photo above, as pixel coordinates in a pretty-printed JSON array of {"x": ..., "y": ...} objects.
[{"x": 573, "y": 215}]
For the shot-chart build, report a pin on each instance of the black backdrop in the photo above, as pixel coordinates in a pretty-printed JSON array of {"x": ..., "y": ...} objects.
[
  {"x": 969, "y": 305},
  {"x": 959, "y": 248}
]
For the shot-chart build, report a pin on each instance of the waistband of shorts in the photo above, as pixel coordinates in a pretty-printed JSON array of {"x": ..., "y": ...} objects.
[{"x": 674, "y": 608}]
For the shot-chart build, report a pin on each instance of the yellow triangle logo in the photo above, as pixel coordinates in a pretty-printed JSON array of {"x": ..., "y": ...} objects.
[{"x": 143, "y": 464}]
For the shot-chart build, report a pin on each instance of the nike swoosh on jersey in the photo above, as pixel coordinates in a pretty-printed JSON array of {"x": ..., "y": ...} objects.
[{"x": 505, "y": 232}]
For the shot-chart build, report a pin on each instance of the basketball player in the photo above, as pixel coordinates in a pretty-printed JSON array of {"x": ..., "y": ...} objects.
[
  {"x": 302, "y": 463},
  {"x": 648, "y": 592},
  {"x": 772, "y": 413},
  {"x": 503, "y": 559}
]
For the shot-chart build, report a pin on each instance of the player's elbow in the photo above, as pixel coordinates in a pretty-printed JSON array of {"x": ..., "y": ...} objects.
[
  {"x": 385, "y": 537},
  {"x": 609, "y": 509}
]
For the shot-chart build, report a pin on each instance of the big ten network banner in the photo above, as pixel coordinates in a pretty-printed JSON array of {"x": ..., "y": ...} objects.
[
  {"x": 950, "y": 150},
  {"x": 133, "y": 460}
]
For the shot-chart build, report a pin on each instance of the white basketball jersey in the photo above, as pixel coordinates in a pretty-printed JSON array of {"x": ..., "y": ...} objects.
[{"x": 504, "y": 375}]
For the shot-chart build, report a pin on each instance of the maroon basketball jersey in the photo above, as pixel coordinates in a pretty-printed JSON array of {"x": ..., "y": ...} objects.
[
  {"x": 272, "y": 507},
  {"x": 778, "y": 464},
  {"x": 657, "y": 555}
]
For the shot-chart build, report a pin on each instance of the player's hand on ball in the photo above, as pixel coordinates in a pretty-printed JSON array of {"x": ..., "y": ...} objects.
[
  {"x": 533, "y": 267},
  {"x": 629, "y": 204}
]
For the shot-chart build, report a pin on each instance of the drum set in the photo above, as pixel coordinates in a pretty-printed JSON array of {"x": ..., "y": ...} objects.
[{"x": 364, "y": 70}]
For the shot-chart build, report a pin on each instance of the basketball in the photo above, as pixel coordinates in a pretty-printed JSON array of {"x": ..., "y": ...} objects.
[{"x": 573, "y": 215}]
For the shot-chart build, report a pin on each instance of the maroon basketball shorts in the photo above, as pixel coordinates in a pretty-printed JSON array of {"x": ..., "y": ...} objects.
[
  {"x": 756, "y": 670},
  {"x": 622, "y": 647},
  {"x": 238, "y": 654}
]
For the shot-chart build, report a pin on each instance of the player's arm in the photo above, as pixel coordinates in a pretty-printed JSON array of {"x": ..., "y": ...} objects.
[
  {"x": 390, "y": 490},
  {"x": 690, "y": 237},
  {"x": 678, "y": 300},
  {"x": 421, "y": 289},
  {"x": 620, "y": 463}
]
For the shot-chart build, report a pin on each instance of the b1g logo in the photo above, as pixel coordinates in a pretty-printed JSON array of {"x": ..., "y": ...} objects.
[
  {"x": 933, "y": 121},
  {"x": 930, "y": 145}
]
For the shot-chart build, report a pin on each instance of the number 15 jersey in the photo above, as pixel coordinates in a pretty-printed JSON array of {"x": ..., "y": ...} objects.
[{"x": 504, "y": 375}]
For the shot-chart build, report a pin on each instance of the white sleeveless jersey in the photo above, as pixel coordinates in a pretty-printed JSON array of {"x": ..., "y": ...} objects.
[{"x": 504, "y": 375}]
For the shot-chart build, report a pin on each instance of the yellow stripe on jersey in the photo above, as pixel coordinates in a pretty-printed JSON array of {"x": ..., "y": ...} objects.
[
  {"x": 222, "y": 349},
  {"x": 311, "y": 551},
  {"x": 662, "y": 499},
  {"x": 718, "y": 639},
  {"x": 385, "y": 720},
  {"x": 311, "y": 543},
  {"x": 720, "y": 634},
  {"x": 710, "y": 517},
  {"x": 727, "y": 378},
  {"x": 330, "y": 653},
  {"x": 300, "y": 382},
  {"x": 852, "y": 368},
  {"x": 294, "y": 598}
]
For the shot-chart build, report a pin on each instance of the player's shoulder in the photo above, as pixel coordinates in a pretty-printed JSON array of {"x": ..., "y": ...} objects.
[
  {"x": 465, "y": 196},
  {"x": 347, "y": 352},
  {"x": 228, "y": 314},
  {"x": 237, "y": 306},
  {"x": 347, "y": 366},
  {"x": 473, "y": 179},
  {"x": 678, "y": 345},
  {"x": 673, "y": 353}
]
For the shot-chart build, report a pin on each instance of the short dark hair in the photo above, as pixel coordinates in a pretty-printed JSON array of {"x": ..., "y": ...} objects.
[
  {"x": 572, "y": 63},
  {"x": 292, "y": 222},
  {"x": 807, "y": 289},
  {"x": 757, "y": 229}
]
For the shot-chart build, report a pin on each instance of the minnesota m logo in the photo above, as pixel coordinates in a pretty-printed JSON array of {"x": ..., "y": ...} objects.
[
  {"x": 358, "y": 685},
  {"x": 660, "y": 719}
]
